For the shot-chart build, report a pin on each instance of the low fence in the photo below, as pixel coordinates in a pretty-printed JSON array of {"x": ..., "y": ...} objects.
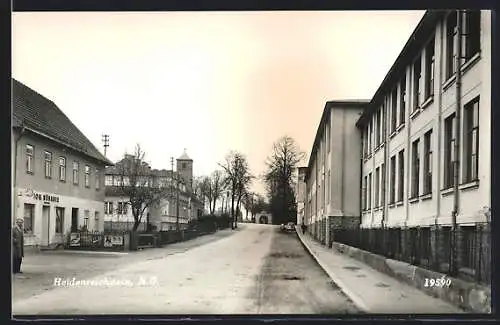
[
  {"x": 95, "y": 240},
  {"x": 429, "y": 247}
]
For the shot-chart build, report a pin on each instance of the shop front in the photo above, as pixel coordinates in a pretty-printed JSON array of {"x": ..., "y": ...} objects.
[{"x": 49, "y": 217}]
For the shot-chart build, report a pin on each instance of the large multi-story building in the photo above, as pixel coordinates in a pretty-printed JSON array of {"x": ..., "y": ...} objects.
[
  {"x": 333, "y": 170},
  {"x": 427, "y": 122},
  {"x": 163, "y": 214},
  {"x": 425, "y": 136},
  {"x": 57, "y": 172}
]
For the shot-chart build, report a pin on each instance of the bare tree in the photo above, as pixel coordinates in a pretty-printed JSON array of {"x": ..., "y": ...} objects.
[
  {"x": 238, "y": 177},
  {"x": 137, "y": 184},
  {"x": 281, "y": 165}
]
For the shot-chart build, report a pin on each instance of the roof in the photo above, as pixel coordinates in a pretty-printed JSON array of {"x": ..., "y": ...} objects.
[
  {"x": 420, "y": 35},
  {"x": 184, "y": 156},
  {"x": 40, "y": 115},
  {"x": 344, "y": 104}
]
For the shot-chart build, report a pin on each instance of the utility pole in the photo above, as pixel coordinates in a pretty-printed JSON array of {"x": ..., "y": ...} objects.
[
  {"x": 176, "y": 178},
  {"x": 105, "y": 140}
]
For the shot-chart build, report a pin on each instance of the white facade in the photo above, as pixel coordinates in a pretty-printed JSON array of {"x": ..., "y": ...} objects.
[
  {"x": 429, "y": 199},
  {"x": 45, "y": 230}
]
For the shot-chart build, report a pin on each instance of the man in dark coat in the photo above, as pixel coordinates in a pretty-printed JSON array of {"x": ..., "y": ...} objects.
[{"x": 17, "y": 245}]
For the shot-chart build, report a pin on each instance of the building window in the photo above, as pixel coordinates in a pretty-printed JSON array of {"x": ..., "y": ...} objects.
[
  {"x": 401, "y": 176},
  {"x": 382, "y": 185},
  {"x": 369, "y": 195},
  {"x": 96, "y": 218},
  {"x": 472, "y": 33},
  {"x": 29, "y": 215},
  {"x": 120, "y": 208},
  {"x": 370, "y": 138},
  {"x": 365, "y": 189},
  {"x": 62, "y": 169},
  {"x": 48, "y": 164},
  {"x": 429, "y": 69},
  {"x": 108, "y": 180},
  {"x": 86, "y": 219},
  {"x": 59, "y": 220},
  {"x": 328, "y": 188},
  {"x": 365, "y": 142},
  {"x": 428, "y": 162},
  {"x": 415, "y": 172},
  {"x": 377, "y": 188},
  {"x": 108, "y": 207},
  {"x": 328, "y": 137},
  {"x": 30, "y": 151},
  {"x": 76, "y": 172},
  {"x": 471, "y": 139},
  {"x": 451, "y": 41},
  {"x": 97, "y": 179},
  {"x": 378, "y": 127},
  {"x": 384, "y": 124},
  {"x": 394, "y": 109},
  {"x": 449, "y": 151},
  {"x": 402, "y": 102},
  {"x": 392, "y": 186},
  {"x": 417, "y": 74},
  {"x": 184, "y": 166},
  {"x": 87, "y": 176}
]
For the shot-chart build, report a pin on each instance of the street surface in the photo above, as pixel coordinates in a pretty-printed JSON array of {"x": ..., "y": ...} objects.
[{"x": 254, "y": 270}]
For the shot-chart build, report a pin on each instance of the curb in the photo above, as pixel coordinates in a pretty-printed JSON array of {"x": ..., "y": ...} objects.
[{"x": 353, "y": 297}]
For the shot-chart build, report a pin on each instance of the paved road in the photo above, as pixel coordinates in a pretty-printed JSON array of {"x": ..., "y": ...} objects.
[{"x": 255, "y": 270}]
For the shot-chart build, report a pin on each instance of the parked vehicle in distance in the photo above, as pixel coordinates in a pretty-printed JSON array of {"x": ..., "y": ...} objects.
[
  {"x": 282, "y": 227},
  {"x": 290, "y": 226}
]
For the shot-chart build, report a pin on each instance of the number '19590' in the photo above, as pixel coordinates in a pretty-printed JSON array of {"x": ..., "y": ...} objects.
[{"x": 439, "y": 282}]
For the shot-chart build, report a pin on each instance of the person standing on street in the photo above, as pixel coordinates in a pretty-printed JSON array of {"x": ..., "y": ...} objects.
[{"x": 17, "y": 245}]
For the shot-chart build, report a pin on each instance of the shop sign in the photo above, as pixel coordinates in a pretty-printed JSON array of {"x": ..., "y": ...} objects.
[
  {"x": 110, "y": 241},
  {"x": 41, "y": 196}
]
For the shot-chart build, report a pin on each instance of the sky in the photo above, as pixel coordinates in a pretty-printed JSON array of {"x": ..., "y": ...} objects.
[{"x": 209, "y": 82}]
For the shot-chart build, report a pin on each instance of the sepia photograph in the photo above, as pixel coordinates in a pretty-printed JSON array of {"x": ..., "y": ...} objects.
[{"x": 251, "y": 162}]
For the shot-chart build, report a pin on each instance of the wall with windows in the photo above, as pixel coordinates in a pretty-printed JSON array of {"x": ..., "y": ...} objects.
[
  {"x": 422, "y": 129},
  {"x": 48, "y": 167},
  {"x": 46, "y": 195}
]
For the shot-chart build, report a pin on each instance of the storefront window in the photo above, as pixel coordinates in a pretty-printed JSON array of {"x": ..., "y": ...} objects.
[
  {"x": 29, "y": 214},
  {"x": 59, "y": 220}
]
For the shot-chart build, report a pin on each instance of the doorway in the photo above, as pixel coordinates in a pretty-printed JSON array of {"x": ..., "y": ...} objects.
[
  {"x": 263, "y": 219},
  {"x": 45, "y": 225},
  {"x": 74, "y": 219}
]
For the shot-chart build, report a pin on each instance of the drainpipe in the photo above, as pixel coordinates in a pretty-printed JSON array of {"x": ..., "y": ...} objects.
[
  {"x": 21, "y": 133},
  {"x": 386, "y": 159},
  {"x": 361, "y": 160},
  {"x": 456, "y": 199}
]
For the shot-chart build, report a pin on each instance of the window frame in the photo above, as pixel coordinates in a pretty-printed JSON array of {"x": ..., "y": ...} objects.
[
  {"x": 97, "y": 179},
  {"x": 415, "y": 168},
  {"x": 86, "y": 176},
  {"x": 417, "y": 78},
  {"x": 62, "y": 169},
  {"x": 76, "y": 172},
  {"x": 430, "y": 61},
  {"x": 402, "y": 101},
  {"x": 30, "y": 158},
  {"x": 471, "y": 128},
  {"x": 451, "y": 44},
  {"x": 47, "y": 163},
  {"x": 29, "y": 230},
  {"x": 401, "y": 172},
  {"x": 392, "y": 185},
  {"x": 449, "y": 149},
  {"x": 428, "y": 165}
]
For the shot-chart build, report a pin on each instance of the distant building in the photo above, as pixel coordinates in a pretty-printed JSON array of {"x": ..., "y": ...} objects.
[
  {"x": 162, "y": 216},
  {"x": 301, "y": 194},
  {"x": 264, "y": 217},
  {"x": 57, "y": 171}
]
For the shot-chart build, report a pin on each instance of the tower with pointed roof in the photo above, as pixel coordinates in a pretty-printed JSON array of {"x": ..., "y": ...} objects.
[{"x": 185, "y": 169}]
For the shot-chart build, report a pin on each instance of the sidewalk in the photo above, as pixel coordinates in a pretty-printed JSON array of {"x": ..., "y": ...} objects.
[{"x": 372, "y": 291}]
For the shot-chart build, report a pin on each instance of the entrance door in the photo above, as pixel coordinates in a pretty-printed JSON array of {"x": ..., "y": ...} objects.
[
  {"x": 45, "y": 225},
  {"x": 74, "y": 219}
]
